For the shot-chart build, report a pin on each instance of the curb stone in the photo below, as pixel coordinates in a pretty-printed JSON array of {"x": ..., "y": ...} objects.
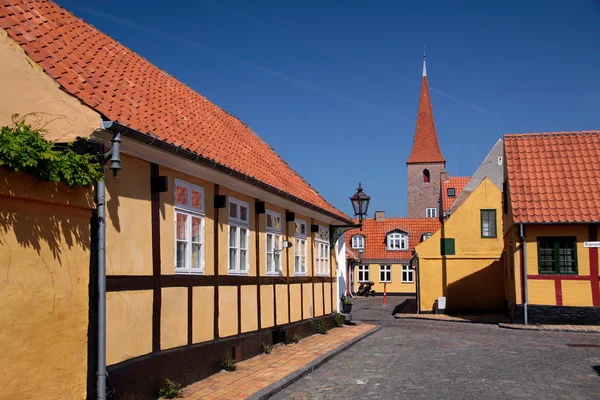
[
  {"x": 508, "y": 326},
  {"x": 281, "y": 384},
  {"x": 461, "y": 321}
]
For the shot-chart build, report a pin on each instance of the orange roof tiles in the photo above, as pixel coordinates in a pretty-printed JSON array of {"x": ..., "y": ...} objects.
[
  {"x": 375, "y": 236},
  {"x": 554, "y": 177},
  {"x": 456, "y": 182},
  {"x": 425, "y": 145},
  {"x": 124, "y": 87}
]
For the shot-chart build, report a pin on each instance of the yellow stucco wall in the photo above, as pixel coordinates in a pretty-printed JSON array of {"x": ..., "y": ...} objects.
[
  {"x": 542, "y": 292},
  {"x": 203, "y": 313},
  {"x": 576, "y": 293},
  {"x": 44, "y": 265},
  {"x": 174, "y": 317},
  {"x": 327, "y": 298},
  {"x": 228, "y": 312},
  {"x": 249, "y": 309},
  {"x": 580, "y": 232},
  {"x": 128, "y": 325},
  {"x": 295, "y": 302},
  {"x": 27, "y": 89},
  {"x": 318, "y": 299},
  {"x": 308, "y": 300},
  {"x": 282, "y": 304},
  {"x": 167, "y": 218},
  {"x": 395, "y": 286},
  {"x": 473, "y": 278},
  {"x": 267, "y": 316},
  {"x": 128, "y": 219}
]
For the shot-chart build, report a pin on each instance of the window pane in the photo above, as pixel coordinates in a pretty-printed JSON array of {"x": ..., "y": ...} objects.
[
  {"x": 277, "y": 262},
  {"x": 243, "y": 238},
  {"x": 303, "y": 229},
  {"x": 181, "y": 254},
  {"x": 546, "y": 262},
  {"x": 233, "y": 210},
  {"x": 244, "y": 213},
  {"x": 269, "y": 262},
  {"x": 269, "y": 243},
  {"x": 181, "y": 195},
  {"x": 269, "y": 221},
  {"x": 277, "y": 223},
  {"x": 233, "y": 236},
  {"x": 232, "y": 258},
  {"x": 196, "y": 229},
  {"x": 243, "y": 258},
  {"x": 196, "y": 256},
  {"x": 182, "y": 226},
  {"x": 382, "y": 276},
  {"x": 196, "y": 199}
]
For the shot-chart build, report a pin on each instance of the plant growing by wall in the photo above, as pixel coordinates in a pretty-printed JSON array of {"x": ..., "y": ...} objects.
[
  {"x": 321, "y": 327},
  {"x": 171, "y": 390},
  {"x": 338, "y": 320},
  {"x": 229, "y": 365},
  {"x": 24, "y": 149},
  {"x": 267, "y": 348},
  {"x": 296, "y": 338}
]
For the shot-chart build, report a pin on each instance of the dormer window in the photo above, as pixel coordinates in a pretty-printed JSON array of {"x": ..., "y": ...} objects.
[
  {"x": 451, "y": 192},
  {"x": 397, "y": 240},
  {"x": 358, "y": 242},
  {"x": 426, "y": 236}
]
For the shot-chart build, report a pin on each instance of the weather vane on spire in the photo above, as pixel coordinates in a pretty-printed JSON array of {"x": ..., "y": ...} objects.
[{"x": 424, "y": 56}]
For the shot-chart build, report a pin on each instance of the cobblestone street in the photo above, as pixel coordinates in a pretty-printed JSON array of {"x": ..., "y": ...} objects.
[{"x": 415, "y": 359}]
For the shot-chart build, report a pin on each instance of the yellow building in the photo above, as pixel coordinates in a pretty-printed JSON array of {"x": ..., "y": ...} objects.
[
  {"x": 461, "y": 261},
  {"x": 552, "y": 218},
  {"x": 197, "y": 226}
]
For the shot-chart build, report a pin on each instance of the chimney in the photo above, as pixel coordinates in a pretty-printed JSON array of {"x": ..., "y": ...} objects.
[
  {"x": 379, "y": 216},
  {"x": 444, "y": 177}
]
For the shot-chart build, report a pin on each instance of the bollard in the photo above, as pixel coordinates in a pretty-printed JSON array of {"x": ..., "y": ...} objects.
[{"x": 384, "y": 293}]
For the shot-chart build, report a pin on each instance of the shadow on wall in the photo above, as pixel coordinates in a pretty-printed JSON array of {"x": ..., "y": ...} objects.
[
  {"x": 408, "y": 306},
  {"x": 482, "y": 290}
]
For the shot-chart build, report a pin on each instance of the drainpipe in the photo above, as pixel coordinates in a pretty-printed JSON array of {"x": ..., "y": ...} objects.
[
  {"x": 524, "y": 252},
  {"x": 415, "y": 261},
  {"x": 114, "y": 155}
]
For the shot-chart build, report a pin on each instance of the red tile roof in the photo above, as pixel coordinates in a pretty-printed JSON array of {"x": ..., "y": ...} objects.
[
  {"x": 554, "y": 177},
  {"x": 375, "y": 236},
  {"x": 124, "y": 87},
  {"x": 425, "y": 145},
  {"x": 456, "y": 182}
]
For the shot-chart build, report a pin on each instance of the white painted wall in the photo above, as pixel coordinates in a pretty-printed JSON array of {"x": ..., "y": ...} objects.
[{"x": 341, "y": 270}]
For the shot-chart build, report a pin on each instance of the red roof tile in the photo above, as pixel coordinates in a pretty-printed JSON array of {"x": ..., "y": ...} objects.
[
  {"x": 554, "y": 177},
  {"x": 425, "y": 145},
  {"x": 375, "y": 236},
  {"x": 456, "y": 182},
  {"x": 124, "y": 87}
]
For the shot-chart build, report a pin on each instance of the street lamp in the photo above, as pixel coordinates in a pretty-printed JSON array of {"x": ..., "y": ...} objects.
[{"x": 360, "y": 204}]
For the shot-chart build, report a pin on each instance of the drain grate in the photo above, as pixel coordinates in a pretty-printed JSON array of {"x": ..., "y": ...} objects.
[{"x": 582, "y": 345}]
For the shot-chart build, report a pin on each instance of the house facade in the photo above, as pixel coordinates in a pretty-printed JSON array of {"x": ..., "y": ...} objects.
[
  {"x": 551, "y": 219},
  {"x": 214, "y": 245}
]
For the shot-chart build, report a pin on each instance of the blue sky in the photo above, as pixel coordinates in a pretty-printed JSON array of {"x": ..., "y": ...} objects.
[{"x": 333, "y": 86}]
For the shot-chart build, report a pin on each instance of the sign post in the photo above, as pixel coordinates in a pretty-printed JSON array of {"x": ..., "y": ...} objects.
[{"x": 384, "y": 293}]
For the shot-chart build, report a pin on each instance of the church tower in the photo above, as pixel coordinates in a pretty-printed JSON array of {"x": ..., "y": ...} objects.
[{"x": 425, "y": 162}]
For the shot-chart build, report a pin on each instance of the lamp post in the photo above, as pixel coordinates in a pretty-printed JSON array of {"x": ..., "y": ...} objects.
[{"x": 360, "y": 204}]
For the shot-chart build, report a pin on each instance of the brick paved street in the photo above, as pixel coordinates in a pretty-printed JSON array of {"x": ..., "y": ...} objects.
[{"x": 420, "y": 359}]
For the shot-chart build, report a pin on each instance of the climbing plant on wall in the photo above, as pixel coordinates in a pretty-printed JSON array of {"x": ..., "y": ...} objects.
[{"x": 24, "y": 149}]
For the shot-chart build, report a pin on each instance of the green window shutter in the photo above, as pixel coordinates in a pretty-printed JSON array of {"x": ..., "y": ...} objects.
[{"x": 447, "y": 247}]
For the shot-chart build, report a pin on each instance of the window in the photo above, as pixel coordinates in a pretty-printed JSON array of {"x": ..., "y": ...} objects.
[
  {"x": 385, "y": 273},
  {"x": 363, "y": 273},
  {"x": 447, "y": 246},
  {"x": 426, "y": 236},
  {"x": 358, "y": 242},
  {"x": 321, "y": 246},
  {"x": 499, "y": 160},
  {"x": 397, "y": 241},
  {"x": 408, "y": 274},
  {"x": 189, "y": 228},
  {"x": 426, "y": 175},
  {"x": 451, "y": 192},
  {"x": 274, "y": 243},
  {"x": 488, "y": 223},
  {"x": 557, "y": 255},
  {"x": 431, "y": 212},
  {"x": 238, "y": 236},
  {"x": 299, "y": 248}
]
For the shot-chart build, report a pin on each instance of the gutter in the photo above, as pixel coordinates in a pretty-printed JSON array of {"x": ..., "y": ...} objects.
[
  {"x": 162, "y": 145},
  {"x": 524, "y": 265}
]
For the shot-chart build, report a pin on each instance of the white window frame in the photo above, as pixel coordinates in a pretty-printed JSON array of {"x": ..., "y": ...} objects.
[
  {"x": 363, "y": 270},
  {"x": 410, "y": 273},
  {"x": 431, "y": 212},
  {"x": 190, "y": 212},
  {"x": 239, "y": 224},
  {"x": 399, "y": 238},
  {"x": 358, "y": 242},
  {"x": 300, "y": 268},
  {"x": 387, "y": 271},
  {"x": 322, "y": 252},
  {"x": 274, "y": 238}
]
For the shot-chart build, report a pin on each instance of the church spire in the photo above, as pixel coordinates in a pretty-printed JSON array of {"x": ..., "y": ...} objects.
[{"x": 426, "y": 148}]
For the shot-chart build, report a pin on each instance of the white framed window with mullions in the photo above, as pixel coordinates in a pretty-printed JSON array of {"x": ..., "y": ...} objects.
[
  {"x": 363, "y": 273},
  {"x": 408, "y": 274},
  {"x": 385, "y": 273},
  {"x": 189, "y": 228},
  {"x": 274, "y": 243},
  {"x": 299, "y": 248},
  {"x": 322, "y": 251},
  {"x": 239, "y": 236}
]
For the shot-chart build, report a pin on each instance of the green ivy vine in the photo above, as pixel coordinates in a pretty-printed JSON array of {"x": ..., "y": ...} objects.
[{"x": 24, "y": 149}]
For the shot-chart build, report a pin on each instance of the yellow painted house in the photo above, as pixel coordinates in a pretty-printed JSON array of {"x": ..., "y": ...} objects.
[{"x": 462, "y": 260}]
